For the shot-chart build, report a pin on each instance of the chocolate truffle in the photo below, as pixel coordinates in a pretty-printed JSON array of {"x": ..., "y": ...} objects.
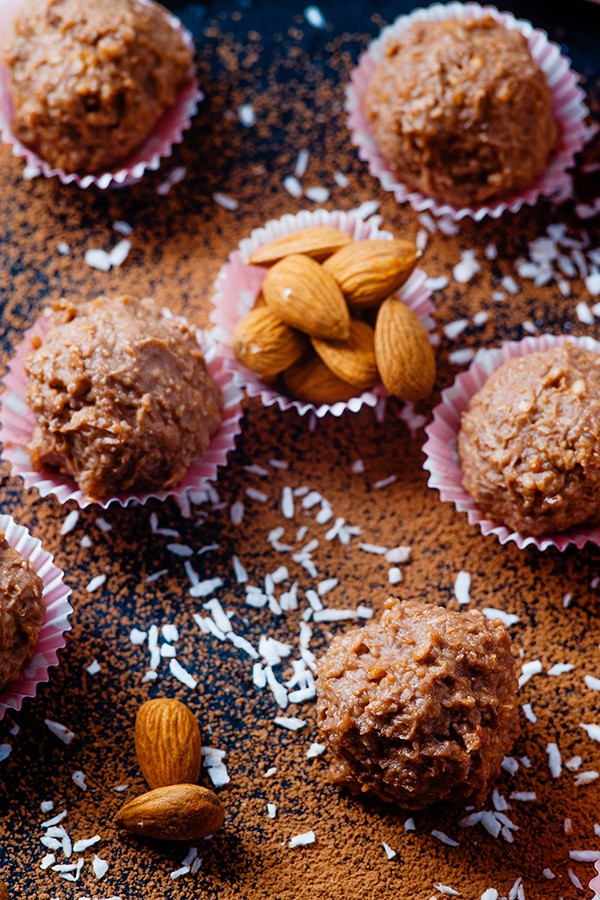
[
  {"x": 122, "y": 397},
  {"x": 529, "y": 441},
  {"x": 89, "y": 81},
  {"x": 22, "y": 612},
  {"x": 419, "y": 706},
  {"x": 461, "y": 111}
]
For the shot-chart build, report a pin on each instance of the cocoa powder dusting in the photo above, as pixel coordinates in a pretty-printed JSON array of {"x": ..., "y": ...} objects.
[{"x": 293, "y": 75}]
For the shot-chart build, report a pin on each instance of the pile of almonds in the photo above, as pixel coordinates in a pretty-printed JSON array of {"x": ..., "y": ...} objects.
[
  {"x": 328, "y": 323},
  {"x": 167, "y": 743}
]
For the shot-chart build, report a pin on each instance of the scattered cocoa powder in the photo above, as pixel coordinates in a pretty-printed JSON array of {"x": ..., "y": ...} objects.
[{"x": 294, "y": 80}]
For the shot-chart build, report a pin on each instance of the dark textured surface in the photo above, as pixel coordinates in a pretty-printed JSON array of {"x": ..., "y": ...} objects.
[{"x": 294, "y": 77}]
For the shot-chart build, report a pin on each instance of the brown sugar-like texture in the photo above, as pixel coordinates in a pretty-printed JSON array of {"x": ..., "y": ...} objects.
[
  {"x": 89, "y": 81},
  {"x": 122, "y": 397},
  {"x": 419, "y": 706},
  {"x": 293, "y": 76},
  {"x": 461, "y": 111},
  {"x": 529, "y": 442},
  {"x": 21, "y": 612}
]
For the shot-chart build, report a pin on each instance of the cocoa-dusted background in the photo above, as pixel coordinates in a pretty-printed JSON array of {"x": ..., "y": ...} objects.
[{"x": 293, "y": 75}]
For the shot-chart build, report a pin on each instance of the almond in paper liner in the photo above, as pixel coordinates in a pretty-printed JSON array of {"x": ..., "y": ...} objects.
[
  {"x": 17, "y": 422},
  {"x": 569, "y": 112},
  {"x": 440, "y": 449},
  {"x": 56, "y": 619},
  {"x": 157, "y": 146},
  {"x": 239, "y": 284}
]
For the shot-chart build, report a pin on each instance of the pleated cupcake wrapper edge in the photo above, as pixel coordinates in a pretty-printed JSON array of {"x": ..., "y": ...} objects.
[
  {"x": 569, "y": 110},
  {"x": 442, "y": 461},
  {"x": 56, "y": 619},
  {"x": 17, "y": 422},
  {"x": 158, "y": 146}
]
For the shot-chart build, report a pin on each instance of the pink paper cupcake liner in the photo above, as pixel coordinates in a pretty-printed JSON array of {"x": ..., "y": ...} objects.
[
  {"x": 569, "y": 110},
  {"x": 56, "y": 620},
  {"x": 17, "y": 423},
  {"x": 595, "y": 882},
  {"x": 167, "y": 132},
  {"x": 440, "y": 449},
  {"x": 238, "y": 285}
]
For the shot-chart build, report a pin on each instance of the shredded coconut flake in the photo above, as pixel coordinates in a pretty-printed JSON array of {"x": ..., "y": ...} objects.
[
  {"x": 560, "y": 669},
  {"x": 60, "y": 731},
  {"x": 70, "y": 522},
  {"x": 585, "y": 855},
  {"x": 225, "y": 201},
  {"x": 388, "y": 851},
  {"x": 507, "y": 619},
  {"x": 181, "y": 674},
  {"x": 100, "y": 867},
  {"x": 444, "y": 838},
  {"x": 528, "y": 670},
  {"x": 246, "y": 115},
  {"x": 462, "y": 587},
  {"x": 592, "y": 731},
  {"x": 290, "y": 722},
  {"x": 95, "y": 583},
  {"x": 554, "y": 760},
  {"x": 302, "y": 840}
]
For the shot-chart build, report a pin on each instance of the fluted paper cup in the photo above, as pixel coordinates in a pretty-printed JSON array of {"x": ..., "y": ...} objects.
[
  {"x": 158, "y": 146},
  {"x": 442, "y": 460},
  {"x": 17, "y": 422},
  {"x": 238, "y": 285},
  {"x": 56, "y": 619},
  {"x": 568, "y": 107},
  {"x": 595, "y": 882}
]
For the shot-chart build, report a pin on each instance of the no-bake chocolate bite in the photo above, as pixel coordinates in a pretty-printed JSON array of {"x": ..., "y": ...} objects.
[
  {"x": 122, "y": 397},
  {"x": 461, "y": 111},
  {"x": 89, "y": 81},
  {"x": 21, "y": 612},
  {"x": 419, "y": 706},
  {"x": 529, "y": 442}
]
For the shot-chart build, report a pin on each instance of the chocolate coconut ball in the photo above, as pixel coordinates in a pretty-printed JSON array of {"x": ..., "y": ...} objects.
[
  {"x": 461, "y": 112},
  {"x": 529, "y": 441},
  {"x": 122, "y": 397},
  {"x": 419, "y": 706},
  {"x": 22, "y": 612},
  {"x": 89, "y": 81}
]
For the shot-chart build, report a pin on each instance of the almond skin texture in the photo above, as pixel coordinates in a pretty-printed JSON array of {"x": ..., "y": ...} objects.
[
  {"x": 302, "y": 295},
  {"x": 264, "y": 344},
  {"x": 179, "y": 812},
  {"x": 167, "y": 742},
  {"x": 369, "y": 271},
  {"x": 404, "y": 355},
  {"x": 310, "y": 380},
  {"x": 353, "y": 360},
  {"x": 318, "y": 243}
]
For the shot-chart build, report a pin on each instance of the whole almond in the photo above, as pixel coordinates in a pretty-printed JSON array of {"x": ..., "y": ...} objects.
[
  {"x": 309, "y": 379},
  {"x": 404, "y": 355},
  {"x": 179, "y": 812},
  {"x": 264, "y": 344},
  {"x": 3, "y": 891},
  {"x": 301, "y": 294},
  {"x": 369, "y": 271},
  {"x": 167, "y": 742},
  {"x": 318, "y": 243},
  {"x": 353, "y": 360}
]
